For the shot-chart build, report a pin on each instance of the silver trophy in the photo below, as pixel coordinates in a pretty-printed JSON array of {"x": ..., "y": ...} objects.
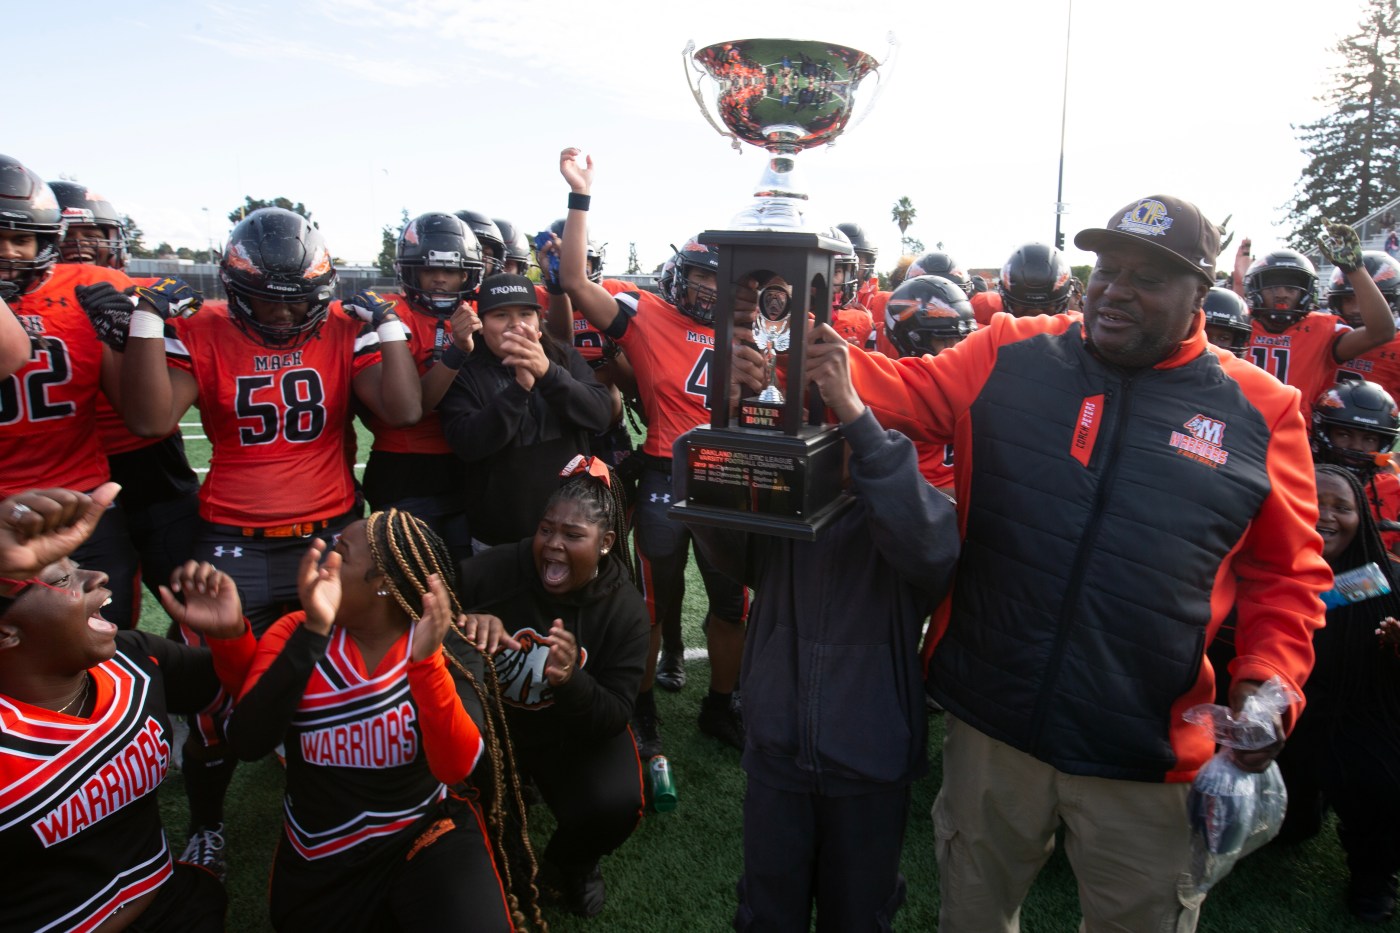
[
  {"x": 771, "y": 335},
  {"x": 785, "y": 95}
]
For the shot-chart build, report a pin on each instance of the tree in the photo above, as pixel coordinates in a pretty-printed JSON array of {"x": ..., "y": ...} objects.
[
  {"x": 389, "y": 244},
  {"x": 1354, "y": 151},
  {"x": 911, "y": 246},
  {"x": 903, "y": 214},
  {"x": 249, "y": 205},
  {"x": 634, "y": 265},
  {"x": 135, "y": 238}
]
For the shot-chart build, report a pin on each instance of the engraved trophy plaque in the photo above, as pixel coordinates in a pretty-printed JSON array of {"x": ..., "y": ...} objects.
[{"x": 777, "y": 468}]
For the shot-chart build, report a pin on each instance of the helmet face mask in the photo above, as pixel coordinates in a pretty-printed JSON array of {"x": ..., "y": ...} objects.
[
  {"x": 865, "y": 251},
  {"x": 926, "y": 315},
  {"x": 438, "y": 241},
  {"x": 96, "y": 233},
  {"x": 517, "y": 261},
  {"x": 28, "y": 206},
  {"x": 1227, "y": 320},
  {"x": 488, "y": 235},
  {"x": 1385, "y": 272},
  {"x": 1280, "y": 288},
  {"x": 1354, "y": 425},
  {"x": 275, "y": 258},
  {"x": 695, "y": 299}
]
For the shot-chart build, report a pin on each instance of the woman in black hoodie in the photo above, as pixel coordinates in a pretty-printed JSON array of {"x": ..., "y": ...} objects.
[
  {"x": 519, "y": 409},
  {"x": 567, "y": 596}
]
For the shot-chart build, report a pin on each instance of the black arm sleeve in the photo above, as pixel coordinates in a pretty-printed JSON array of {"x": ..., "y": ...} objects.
[
  {"x": 261, "y": 718},
  {"x": 599, "y": 697}
]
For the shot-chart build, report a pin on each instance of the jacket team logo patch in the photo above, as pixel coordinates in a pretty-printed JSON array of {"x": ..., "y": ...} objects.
[
  {"x": 521, "y": 673},
  {"x": 1203, "y": 442}
]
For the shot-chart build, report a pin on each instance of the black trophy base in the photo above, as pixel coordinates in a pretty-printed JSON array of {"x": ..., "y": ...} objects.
[{"x": 756, "y": 481}]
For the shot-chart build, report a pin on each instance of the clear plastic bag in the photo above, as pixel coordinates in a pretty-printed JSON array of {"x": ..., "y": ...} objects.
[{"x": 1232, "y": 811}]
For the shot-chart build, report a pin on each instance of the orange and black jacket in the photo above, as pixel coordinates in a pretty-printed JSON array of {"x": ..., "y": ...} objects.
[{"x": 1110, "y": 520}]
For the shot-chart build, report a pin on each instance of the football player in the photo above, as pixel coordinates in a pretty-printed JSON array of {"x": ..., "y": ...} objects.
[
  {"x": 1036, "y": 279},
  {"x": 160, "y": 492},
  {"x": 439, "y": 263},
  {"x": 1228, "y": 325},
  {"x": 48, "y": 406},
  {"x": 866, "y": 254},
  {"x": 1381, "y": 365},
  {"x": 1304, "y": 349},
  {"x": 1354, "y": 425},
  {"x": 517, "y": 247},
  {"x": 925, "y": 316},
  {"x": 274, "y": 371},
  {"x": 670, "y": 341}
]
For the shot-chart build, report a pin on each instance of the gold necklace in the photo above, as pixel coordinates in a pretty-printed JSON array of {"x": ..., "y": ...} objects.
[{"x": 80, "y": 697}]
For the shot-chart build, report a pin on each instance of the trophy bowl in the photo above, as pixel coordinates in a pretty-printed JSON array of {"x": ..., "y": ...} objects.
[{"x": 784, "y": 95}]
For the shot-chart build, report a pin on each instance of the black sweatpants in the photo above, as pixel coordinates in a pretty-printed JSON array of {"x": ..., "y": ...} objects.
[
  {"x": 839, "y": 853},
  {"x": 595, "y": 794}
]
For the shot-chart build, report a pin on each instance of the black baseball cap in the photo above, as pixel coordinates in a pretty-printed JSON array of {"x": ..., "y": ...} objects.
[
  {"x": 505, "y": 290},
  {"x": 1174, "y": 229}
]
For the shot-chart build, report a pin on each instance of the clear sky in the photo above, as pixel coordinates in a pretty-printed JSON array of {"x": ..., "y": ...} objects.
[{"x": 362, "y": 107}]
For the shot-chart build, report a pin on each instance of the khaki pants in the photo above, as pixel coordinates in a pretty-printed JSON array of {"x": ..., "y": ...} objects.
[{"x": 995, "y": 820}]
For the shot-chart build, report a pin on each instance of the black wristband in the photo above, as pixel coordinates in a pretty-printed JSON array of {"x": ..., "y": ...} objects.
[
  {"x": 579, "y": 202},
  {"x": 453, "y": 357}
]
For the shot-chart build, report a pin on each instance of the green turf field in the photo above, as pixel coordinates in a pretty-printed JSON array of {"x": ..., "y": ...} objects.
[{"x": 677, "y": 872}]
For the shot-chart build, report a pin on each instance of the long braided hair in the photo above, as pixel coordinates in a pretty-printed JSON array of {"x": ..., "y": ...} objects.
[
  {"x": 407, "y": 552},
  {"x": 602, "y": 501}
]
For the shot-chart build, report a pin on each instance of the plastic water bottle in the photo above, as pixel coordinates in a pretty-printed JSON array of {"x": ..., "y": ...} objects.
[{"x": 663, "y": 784}]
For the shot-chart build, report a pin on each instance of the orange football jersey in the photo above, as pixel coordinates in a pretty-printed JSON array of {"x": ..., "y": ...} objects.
[
  {"x": 116, "y": 439},
  {"x": 671, "y": 355},
  {"x": 427, "y": 337},
  {"x": 1381, "y": 366},
  {"x": 277, "y": 419},
  {"x": 1301, "y": 356},
  {"x": 48, "y": 410}
]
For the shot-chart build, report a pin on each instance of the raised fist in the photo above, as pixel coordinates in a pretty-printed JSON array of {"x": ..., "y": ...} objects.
[{"x": 1340, "y": 244}]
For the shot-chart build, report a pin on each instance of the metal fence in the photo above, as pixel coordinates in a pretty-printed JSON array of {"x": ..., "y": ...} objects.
[{"x": 205, "y": 276}]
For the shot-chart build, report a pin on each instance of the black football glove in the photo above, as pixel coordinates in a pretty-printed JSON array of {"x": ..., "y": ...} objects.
[
  {"x": 170, "y": 298},
  {"x": 371, "y": 307},
  {"x": 109, "y": 311}
]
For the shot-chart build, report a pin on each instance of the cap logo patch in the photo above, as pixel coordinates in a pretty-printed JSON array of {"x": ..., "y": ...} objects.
[{"x": 1148, "y": 218}]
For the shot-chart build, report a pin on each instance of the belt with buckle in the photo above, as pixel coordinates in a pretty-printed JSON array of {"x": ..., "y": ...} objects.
[{"x": 295, "y": 529}]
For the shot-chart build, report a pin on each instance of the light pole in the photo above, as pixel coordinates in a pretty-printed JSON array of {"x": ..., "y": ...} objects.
[{"x": 1064, "y": 109}]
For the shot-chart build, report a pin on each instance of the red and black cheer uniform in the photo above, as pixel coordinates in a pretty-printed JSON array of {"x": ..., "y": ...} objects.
[
  {"x": 413, "y": 468},
  {"x": 80, "y": 831},
  {"x": 48, "y": 418},
  {"x": 571, "y": 739},
  {"x": 373, "y": 838}
]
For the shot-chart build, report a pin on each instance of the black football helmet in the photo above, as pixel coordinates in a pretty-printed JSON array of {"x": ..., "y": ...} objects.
[
  {"x": 594, "y": 252},
  {"x": 849, "y": 263},
  {"x": 83, "y": 207},
  {"x": 675, "y": 284},
  {"x": 925, "y": 309},
  {"x": 517, "y": 246},
  {"x": 28, "y": 205},
  {"x": 866, "y": 253},
  {"x": 276, "y": 255},
  {"x": 493, "y": 245},
  {"x": 1227, "y": 310},
  {"x": 1035, "y": 280},
  {"x": 938, "y": 263},
  {"x": 437, "y": 240},
  {"x": 1385, "y": 272},
  {"x": 1360, "y": 406},
  {"x": 1286, "y": 268}
]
